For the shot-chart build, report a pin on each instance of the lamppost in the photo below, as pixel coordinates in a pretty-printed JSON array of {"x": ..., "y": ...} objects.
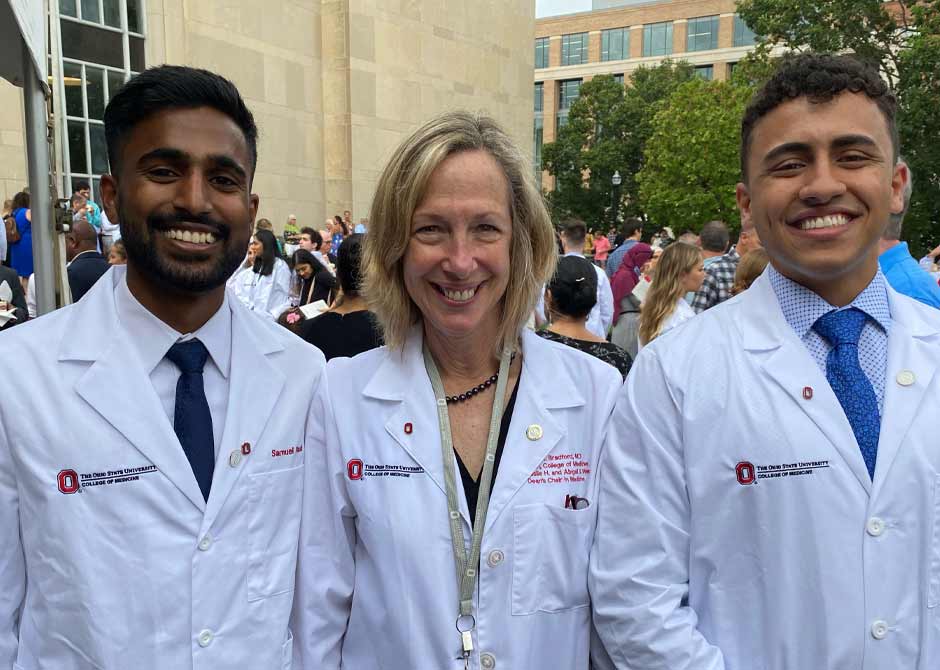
[{"x": 616, "y": 180}]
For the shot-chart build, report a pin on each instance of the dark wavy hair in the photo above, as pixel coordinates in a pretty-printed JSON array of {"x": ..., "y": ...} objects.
[
  {"x": 264, "y": 264},
  {"x": 174, "y": 87},
  {"x": 348, "y": 260},
  {"x": 820, "y": 78}
]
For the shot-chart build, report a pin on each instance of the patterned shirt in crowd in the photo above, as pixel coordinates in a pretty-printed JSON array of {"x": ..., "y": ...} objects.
[
  {"x": 719, "y": 279},
  {"x": 606, "y": 351},
  {"x": 801, "y": 308}
]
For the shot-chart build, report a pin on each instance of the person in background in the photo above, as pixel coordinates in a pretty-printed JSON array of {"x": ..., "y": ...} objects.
[
  {"x": 751, "y": 266},
  {"x": 900, "y": 268},
  {"x": 17, "y": 302},
  {"x": 92, "y": 210},
  {"x": 679, "y": 271},
  {"x": 601, "y": 250},
  {"x": 347, "y": 221},
  {"x": 362, "y": 227},
  {"x": 264, "y": 286},
  {"x": 338, "y": 231},
  {"x": 316, "y": 281},
  {"x": 8, "y": 220},
  {"x": 117, "y": 254},
  {"x": 86, "y": 264},
  {"x": 265, "y": 224},
  {"x": 110, "y": 232},
  {"x": 20, "y": 252},
  {"x": 602, "y": 315},
  {"x": 632, "y": 232},
  {"x": 626, "y": 320},
  {"x": 569, "y": 298},
  {"x": 31, "y": 306},
  {"x": 348, "y": 328},
  {"x": 719, "y": 274}
]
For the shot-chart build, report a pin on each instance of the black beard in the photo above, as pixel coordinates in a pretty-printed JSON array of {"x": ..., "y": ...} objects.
[{"x": 175, "y": 275}]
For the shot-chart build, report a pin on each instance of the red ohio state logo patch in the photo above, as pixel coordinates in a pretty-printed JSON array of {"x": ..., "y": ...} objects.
[
  {"x": 354, "y": 469},
  {"x": 746, "y": 473},
  {"x": 68, "y": 481}
]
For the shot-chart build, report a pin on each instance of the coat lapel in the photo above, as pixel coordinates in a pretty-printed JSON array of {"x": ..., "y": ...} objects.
[
  {"x": 118, "y": 388},
  {"x": 767, "y": 336},
  {"x": 255, "y": 385},
  {"x": 912, "y": 348}
]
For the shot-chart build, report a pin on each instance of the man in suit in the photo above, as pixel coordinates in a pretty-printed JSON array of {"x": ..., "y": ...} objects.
[
  {"x": 18, "y": 301},
  {"x": 151, "y": 516},
  {"x": 775, "y": 456},
  {"x": 86, "y": 265}
]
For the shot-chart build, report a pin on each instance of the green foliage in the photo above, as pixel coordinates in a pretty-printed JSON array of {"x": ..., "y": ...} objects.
[
  {"x": 919, "y": 95},
  {"x": 606, "y": 132},
  {"x": 692, "y": 163}
]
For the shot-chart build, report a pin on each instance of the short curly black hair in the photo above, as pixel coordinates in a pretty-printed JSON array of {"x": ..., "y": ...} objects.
[{"x": 819, "y": 77}]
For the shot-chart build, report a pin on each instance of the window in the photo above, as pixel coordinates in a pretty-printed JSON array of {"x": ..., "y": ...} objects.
[
  {"x": 702, "y": 34},
  {"x": 619, "y": 79},
  {"x": 657, "y": 39},
  {"x": 574, "y": 49},
  {"x": 568, "y": 92},
  {"x": 537, "y": 145},
  {"x": 615, "y": 44},
  {"x": 706, "y": 72},
  {"x": 539, "y": 96},
  {"x": 94, "y": 67},
  {"x": 541, "y": 52},
  {"x": 743, "y": 36}
]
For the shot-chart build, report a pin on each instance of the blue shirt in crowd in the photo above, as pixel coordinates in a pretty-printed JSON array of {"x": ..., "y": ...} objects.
[{"x": 906, "y": 275}]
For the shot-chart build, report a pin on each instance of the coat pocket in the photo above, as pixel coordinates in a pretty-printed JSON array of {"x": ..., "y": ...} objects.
[
  {"x": 933, "y": 559},
  {"x": 273, "y": 531},
  {"x": 550, "y": 558}
]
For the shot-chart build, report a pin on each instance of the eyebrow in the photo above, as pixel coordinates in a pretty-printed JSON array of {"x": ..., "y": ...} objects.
[
  {"x": 802, "y": 147},
  {"x": 178, "y": 156}
]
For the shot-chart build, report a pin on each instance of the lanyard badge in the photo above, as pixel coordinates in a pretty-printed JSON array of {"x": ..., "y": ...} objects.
[{"x": 466, "y": 564}]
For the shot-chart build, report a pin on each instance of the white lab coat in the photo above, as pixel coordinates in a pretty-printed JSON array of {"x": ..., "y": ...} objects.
[
  {"x": 377, "y": 587},
  {"x": 268, "y": 295},
  {"x": 123, "y": 574},
  {"x": 813, "y": 566}
]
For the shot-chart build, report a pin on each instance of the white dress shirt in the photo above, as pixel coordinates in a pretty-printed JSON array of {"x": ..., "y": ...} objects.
[{"x": 152, "y": 338}]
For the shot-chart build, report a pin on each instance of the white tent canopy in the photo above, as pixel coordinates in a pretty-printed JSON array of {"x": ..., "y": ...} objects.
[{"x": 23, "y": 62}]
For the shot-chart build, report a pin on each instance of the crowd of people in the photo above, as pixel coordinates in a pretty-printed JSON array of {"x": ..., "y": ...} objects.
[{"x": 503, "y": 443}]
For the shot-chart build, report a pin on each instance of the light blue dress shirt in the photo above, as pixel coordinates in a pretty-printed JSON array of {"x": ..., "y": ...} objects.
[{"x": 906, "y": 276}]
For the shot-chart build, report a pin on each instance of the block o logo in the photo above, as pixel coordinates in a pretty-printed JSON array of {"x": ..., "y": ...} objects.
[
  {"x": 745, "y": 473},
  {"x": 68, "y": 481},
  {"x": 354, "y": 469}
]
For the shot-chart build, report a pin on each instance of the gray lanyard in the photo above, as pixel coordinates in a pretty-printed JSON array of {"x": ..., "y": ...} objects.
[{"x": 466, "y": 565}]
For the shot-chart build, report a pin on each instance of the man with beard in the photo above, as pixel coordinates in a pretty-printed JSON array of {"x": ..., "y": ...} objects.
[{"x": 150, "y": 517}]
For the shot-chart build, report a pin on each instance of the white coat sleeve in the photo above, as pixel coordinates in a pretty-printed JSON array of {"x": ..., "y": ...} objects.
[
  {"x": 326, "y": 566},
  {"x": 605, "y": 300},
  {"x": 279, "y": 298},
  {"x": 639, "y": 576},
  {"x": 12, "y": 560}
]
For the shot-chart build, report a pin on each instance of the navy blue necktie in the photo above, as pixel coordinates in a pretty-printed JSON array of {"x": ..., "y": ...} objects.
[
  {"x": 842, "y": 330},
  {"x": 192, "y": 419}
]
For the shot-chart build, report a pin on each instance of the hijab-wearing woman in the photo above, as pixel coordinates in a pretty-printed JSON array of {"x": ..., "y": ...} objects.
[
  {"x": 316, "y": 281},
  {"x": 569, "y": 298},
  {"x": 448, "y": 517},
  {"x": 680, "y": 270},
  {"x": 264, "y": 285},
  {"x": 627, "y": 305}
]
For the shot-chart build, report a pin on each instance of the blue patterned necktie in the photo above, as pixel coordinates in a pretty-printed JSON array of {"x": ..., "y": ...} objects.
[
  {"x": 842, "y": 330},
  {"x": 192, "y": 419}
]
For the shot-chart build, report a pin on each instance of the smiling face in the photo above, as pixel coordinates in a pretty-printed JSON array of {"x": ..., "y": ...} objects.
[
  {"x": 822, "y": 186},
  {"x": 456, "y": 266},
  {"x": 182, "y": 197}
]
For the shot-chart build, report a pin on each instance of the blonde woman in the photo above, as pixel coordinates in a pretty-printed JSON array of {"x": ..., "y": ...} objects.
[
  {"x": 680, "y": 270},
  {"x": 448, "y": 519}
]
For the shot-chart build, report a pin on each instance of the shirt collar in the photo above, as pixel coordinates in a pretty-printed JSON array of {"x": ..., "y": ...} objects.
[
  {"x": 802, "y": 307},
  {"x": 575, "y": 253},
  {"x": 152, "y": 338}
]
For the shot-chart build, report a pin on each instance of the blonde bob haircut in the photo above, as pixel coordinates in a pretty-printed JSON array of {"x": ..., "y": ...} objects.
[{"x": 532, "y": 252}]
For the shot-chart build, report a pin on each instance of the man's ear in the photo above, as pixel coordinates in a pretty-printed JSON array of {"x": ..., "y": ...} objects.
[
  {"x": 902, "y": 173},
  {"x": 109, "y": 197},
  {"x": 743, "y": 196}
]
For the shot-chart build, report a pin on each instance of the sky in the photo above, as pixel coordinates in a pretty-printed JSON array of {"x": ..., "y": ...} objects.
[{"x": 555, "y": 7}]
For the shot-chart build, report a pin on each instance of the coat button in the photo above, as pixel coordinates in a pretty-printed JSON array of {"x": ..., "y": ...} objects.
[
  {"x": 487, "y": 661},
  {"x": 879, "y": 629},
  {"x": 205, "y": 542},
  {"x": 205, "y": 638},
  {"x": 534, "y": 432},
  {"x": 905, "y": 378},
  {"x": 875, "y": 526},
  {"x": 235, "y": 458},
  {"x": 494, "y": 558}
]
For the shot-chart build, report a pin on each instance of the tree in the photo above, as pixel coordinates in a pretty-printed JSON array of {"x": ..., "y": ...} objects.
[
  {"x": 607, "y": 129},
  {"x": 692, "y": 163}
]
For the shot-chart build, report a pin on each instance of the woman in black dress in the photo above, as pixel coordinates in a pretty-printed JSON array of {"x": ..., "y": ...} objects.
[
  {"x": 569, "y": 298},
  {"x": 348, "y": 328},
  {"x": 317, "y": 282}
]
